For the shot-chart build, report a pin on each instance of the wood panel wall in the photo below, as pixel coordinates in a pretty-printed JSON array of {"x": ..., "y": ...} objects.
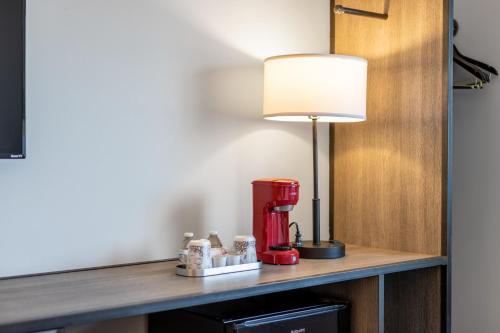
[
  {"x": 414, "y": 301},
  {"x": 363, "y": 294},
  {"x": 389, "y": 173}
]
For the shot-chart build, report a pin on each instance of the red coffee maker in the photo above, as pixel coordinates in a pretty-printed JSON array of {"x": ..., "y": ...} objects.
[{"x": 273, "y": 198}]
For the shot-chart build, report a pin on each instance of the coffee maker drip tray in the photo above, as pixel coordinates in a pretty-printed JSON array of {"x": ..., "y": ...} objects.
[
  {"x": 280, "y": 248},
  {"x": 182, "y": 270}
]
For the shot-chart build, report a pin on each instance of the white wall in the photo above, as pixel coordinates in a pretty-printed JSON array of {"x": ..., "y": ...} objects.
[
  {"x": 476, "y": 202},
  {"x": 144, "y": 121}
]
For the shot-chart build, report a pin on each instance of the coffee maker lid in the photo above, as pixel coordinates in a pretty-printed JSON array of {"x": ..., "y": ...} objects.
[{"x": 276, "y": 182}]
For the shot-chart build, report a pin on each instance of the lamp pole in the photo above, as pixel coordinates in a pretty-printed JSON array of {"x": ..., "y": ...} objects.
[
  {"x": 315, "y": 200},
  {"x": 316, "y": 249}
]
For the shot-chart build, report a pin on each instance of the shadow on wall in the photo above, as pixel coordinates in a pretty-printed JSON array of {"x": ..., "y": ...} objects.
[
  {"x": 222, "y": 106},
  {"x": 221, "y": 113},
  {"x": 232, "y": 93},
  {"x": 188, "y": 215}
]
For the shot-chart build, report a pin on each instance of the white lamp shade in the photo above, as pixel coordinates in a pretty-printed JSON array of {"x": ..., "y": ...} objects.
[{"x": 327, "y": 86}]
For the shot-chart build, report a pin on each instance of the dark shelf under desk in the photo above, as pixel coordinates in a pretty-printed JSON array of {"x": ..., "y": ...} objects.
[{"x": 65, "y": 299}]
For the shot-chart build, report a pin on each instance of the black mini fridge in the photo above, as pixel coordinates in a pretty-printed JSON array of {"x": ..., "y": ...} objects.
[{"x": 277, "y": 313}]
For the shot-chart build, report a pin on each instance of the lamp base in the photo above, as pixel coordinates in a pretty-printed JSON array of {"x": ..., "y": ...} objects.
[{"x": 326, "y": 250}]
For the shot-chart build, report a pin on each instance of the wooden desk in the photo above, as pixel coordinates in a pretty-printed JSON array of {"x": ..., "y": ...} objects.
[{"x": 64, "y": 299}]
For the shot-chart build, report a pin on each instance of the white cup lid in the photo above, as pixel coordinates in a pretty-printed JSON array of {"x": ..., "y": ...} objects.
[
  {"x": 188, "y": 234},
  {"x": 199, "y": 242},
  {"x": 244, "y": 238},
  {"x": 213, "y": 233}
]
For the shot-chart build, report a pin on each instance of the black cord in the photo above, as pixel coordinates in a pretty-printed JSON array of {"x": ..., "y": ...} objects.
[{"x": 298, "y": 235}]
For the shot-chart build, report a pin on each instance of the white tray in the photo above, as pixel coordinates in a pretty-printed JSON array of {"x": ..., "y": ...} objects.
[{"x": 183, "y": 271}]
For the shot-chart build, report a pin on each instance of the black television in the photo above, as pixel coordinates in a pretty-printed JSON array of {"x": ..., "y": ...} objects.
[{"x": 12, "y": 79}]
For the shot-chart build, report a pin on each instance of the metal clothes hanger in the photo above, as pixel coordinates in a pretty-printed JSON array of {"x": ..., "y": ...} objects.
[
  {"x": 476, "y": 72},
  {"x": 477, "y": 63},
  {"x": 480, "y": 71}
]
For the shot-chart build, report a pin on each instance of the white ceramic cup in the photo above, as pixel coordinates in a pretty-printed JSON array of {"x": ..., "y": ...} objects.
[
  {"x": 219, "y": 261},
  {"x": 245, "y": 246},
  {"x": 199, "y": 254},
  {"x": 233, "y": 259}
]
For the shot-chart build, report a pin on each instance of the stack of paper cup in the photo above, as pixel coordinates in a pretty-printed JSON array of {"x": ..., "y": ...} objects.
[
  {"x": 245, "y": 246},
  {"x": 199, "y": 254}
]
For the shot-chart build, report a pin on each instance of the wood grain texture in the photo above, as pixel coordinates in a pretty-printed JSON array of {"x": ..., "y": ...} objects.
[
  {"x": 363, "y": 294},
  {"x": 413, "y": 301},
  {"x": 390, "y": 171},
  {"x": 58, "y": 300}
]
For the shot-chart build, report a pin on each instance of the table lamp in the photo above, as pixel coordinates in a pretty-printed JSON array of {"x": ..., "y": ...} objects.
[{"x": 315, "y": 88}]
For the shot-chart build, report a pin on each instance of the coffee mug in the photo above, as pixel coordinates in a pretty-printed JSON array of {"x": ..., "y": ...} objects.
[
  {"x": 199, "y": 254},
  {"x": 245, "y": 246}
]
